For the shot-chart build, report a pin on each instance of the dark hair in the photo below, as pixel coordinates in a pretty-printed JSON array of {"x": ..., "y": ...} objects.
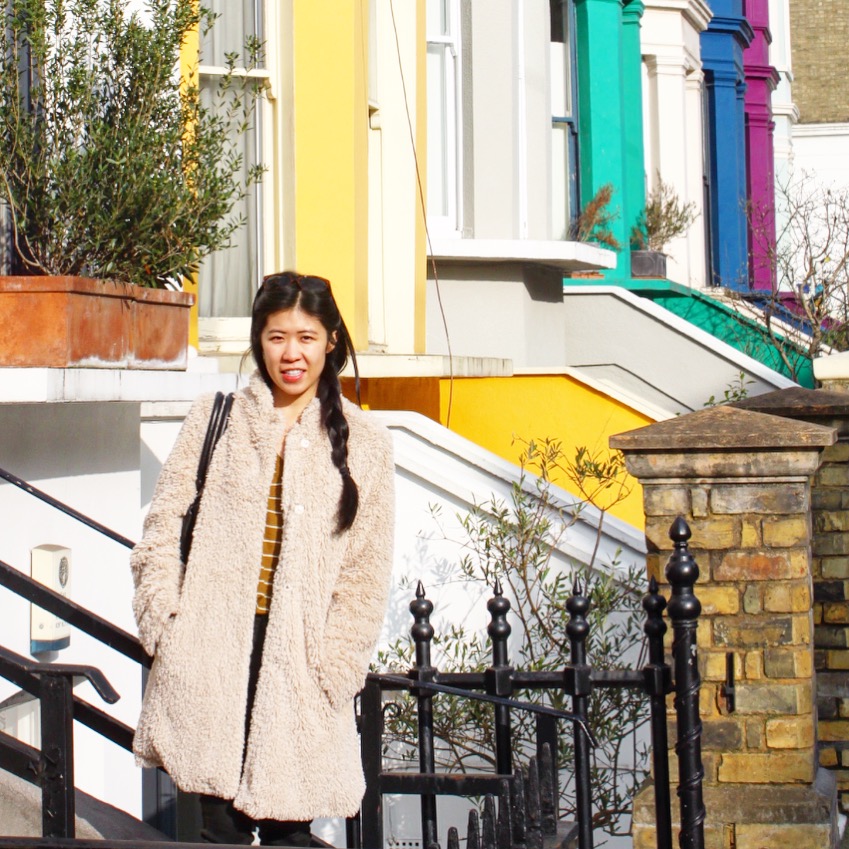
[{"x": 285, "y": 291}]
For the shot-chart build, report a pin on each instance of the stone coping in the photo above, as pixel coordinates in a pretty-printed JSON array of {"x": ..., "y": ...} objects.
[
  {"x": 832, "y": 366},
  {"x": 758, "y": 803},
  {"x": 725, "y": 428},
  {"x": 798, "y": 402}
]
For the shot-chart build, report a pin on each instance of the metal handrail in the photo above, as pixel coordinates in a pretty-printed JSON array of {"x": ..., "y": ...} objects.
[
  {"x": 18, "y": 670},
  {"x": 530, "y": 707},
  {"x": 53, "y": 684},
  {"x": 65, "y": 508}
]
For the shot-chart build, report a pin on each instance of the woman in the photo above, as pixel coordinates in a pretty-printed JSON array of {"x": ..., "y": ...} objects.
[{"x": 260, "y": 647}]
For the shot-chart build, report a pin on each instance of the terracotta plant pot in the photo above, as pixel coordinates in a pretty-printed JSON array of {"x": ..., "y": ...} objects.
[{"x": 59, "y": 322}]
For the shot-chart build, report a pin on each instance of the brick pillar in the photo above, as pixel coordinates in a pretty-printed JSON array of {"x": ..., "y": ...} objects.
[
  {"x": 829, "y": 567},
  {"x": 742, "y": 480}
]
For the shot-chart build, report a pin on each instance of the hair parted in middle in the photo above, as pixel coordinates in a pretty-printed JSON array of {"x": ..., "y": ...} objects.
[{"x": 288, "y": 290}]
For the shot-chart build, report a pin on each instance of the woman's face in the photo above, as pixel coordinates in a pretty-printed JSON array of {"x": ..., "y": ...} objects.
[{"x": 294, "y": 348}]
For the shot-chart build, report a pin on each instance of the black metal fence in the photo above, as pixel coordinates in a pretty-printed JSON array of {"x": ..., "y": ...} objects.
[
  {"x": 526, "y": 813},
  {"x": 500, "y": 682}
]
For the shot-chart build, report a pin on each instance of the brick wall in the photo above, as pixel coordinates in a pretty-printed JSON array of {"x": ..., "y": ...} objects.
[
  {"x": 742, "y": 481},
  {"x": 829, "y": 566},
  {"x": 819, "y": 35},
  {"x": 831, "y": 612}
]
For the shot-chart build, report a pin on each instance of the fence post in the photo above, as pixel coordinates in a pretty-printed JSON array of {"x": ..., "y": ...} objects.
[
  {"x": 658, "y": 684},
  {"x": 57, "y": 755},
  {"x": 579, "y": 685},
  {"x": 682, "y": 572},
  {"x": 422, "y": 634},
  {"x": 369, "y": 830},
  {"x": 499, "y": 677}
]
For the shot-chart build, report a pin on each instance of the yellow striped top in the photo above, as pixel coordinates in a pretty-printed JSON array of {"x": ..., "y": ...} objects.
[{"x": 271, "y": 540}]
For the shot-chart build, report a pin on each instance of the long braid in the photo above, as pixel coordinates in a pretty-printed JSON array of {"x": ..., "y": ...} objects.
[{"x": 334, "y": 421}]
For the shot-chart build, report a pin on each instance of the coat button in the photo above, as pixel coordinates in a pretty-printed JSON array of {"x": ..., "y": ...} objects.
[
  {"x": 299, "y": 508},
  {"x": 305, "y": 443}
]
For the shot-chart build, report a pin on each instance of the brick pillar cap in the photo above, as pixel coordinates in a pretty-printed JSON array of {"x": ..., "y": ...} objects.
[
  {"x": 798, "y": 403},
  {"x": 833, "y": 366},
  {"x": 725, "y": 428}
]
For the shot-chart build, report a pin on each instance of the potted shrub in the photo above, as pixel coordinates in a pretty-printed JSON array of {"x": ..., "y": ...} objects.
[
  {"x": 118, "y": 179},
  {"x": 664, "y": 218}
]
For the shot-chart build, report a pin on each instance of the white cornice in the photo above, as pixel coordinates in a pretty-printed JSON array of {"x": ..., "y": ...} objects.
[
  {"x": 818, "y": 130},
  {"x": 697, "y": 13},
  {"x": 568, "y": 256}
]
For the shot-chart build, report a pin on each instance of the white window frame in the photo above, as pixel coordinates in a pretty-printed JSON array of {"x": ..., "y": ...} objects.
[
  {"x": 263, "y": 207},
  {"x": 447, "y": 223},
  {"x": 564, "y": 132}
]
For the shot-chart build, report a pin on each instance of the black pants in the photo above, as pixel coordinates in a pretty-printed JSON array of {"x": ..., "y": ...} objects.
[{"x": 222, "y": 823}]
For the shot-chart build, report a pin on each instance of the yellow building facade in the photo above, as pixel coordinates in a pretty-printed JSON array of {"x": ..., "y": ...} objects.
[{"x": 345, "y": 138}]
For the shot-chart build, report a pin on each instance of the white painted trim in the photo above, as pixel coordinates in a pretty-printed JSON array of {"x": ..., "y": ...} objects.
[
  {"x": 688, "y": 330},
  {"x": 620, "y": 541},
  {"x": 570, "y": 256},
  {"x": 428, "y": 365},
  {"x": 696, "y": 12},
  {"x": 521, "y": 124},
  {"x": 616, "y": 393},
  {"x": 45, "y": 385},
  {"x": 833, "y": 367},
  {"x": 820, "y": 130}
]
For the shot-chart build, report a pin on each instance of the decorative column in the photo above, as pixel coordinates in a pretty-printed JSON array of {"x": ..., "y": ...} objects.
[
  {"x": 605, "y": 62},
  {"x": 669, "y": 40},
  {"x": 722, "y": 59},
  {"x": 785, "y": 113},
  {"x": 634, "y": 180},
  {"x": 742, "y": 480},
  {"x": 697, "y": 235},
  {"x": 761, "y": 82},
  {"x": 830, "y": 567}
]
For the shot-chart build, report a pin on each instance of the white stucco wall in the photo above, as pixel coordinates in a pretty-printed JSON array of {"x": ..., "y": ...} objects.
[
  {"x": 638, "y": 347},
  {"x": 86, "y": 455},
  {"x": 506, "y": 310},
  {"x": 394, "y": 202},
  {"x": 821, "y": 150}
]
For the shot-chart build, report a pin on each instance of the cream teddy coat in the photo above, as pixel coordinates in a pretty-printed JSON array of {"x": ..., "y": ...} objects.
[{"x": 301, "y": 759}]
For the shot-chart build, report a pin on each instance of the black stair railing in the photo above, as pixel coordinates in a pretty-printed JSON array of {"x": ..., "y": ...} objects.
[
  {"x": 74, "y": 614},
  {"x": 21, "y": 484},
  {"x": 53, "y": 684},
  {"x": 12, "y": 666}
]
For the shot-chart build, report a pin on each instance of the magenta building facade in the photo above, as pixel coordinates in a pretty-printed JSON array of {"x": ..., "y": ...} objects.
[{"x": 761, "y": 81}]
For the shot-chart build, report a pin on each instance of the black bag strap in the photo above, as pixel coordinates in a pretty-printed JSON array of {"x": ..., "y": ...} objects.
[{"x": 218, "y": 419}]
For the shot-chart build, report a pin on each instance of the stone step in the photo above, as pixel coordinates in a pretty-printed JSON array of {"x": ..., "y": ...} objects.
[{"x": 20, "y": 814}]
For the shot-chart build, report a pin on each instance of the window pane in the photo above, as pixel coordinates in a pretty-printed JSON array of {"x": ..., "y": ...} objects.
[
  {"x": 560, "y": 211},
  {"x": 438, "y": 155},
  {"x": 235, "y": 22},
  {"x": 437, "y": 18},
  {"x": 228, "y": 278},
  {"x": 563, "y": 138},
  {"x": 560, "y": 62},
  {"x": 559, "y": 65}
]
